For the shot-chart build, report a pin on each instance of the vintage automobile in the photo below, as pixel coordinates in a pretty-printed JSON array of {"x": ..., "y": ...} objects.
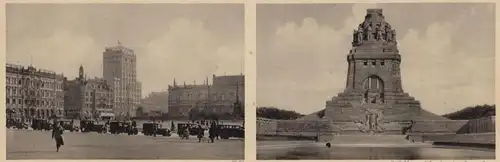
[
  {"x": 117, "y": 127},
  {"x": 148, "y": 129},
  {"x": 192, "y": 127},
  {"x": 86, "y": 125},
  {"x": 228, "y": 131},
  {"x": 99, "y": 128},
  {"x": 41, "y": 124},
  {"x": 68, "y": 125}
]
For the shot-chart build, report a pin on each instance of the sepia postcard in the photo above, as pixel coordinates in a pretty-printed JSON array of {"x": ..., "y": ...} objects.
[
  {"x": 321, "y": 79},
  {"x": 411, "y": 81},
  {"x": 125, "y": 81}
]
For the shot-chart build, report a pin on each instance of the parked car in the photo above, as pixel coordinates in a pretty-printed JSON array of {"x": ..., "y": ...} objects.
[
  {"x": 228, "y": 131},
  {"x": 148, "y": 129},
  {"x": 68, "y": 125}
]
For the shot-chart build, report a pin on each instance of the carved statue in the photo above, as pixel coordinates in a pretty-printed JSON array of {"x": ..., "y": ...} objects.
[
  {"x": 379, "y": 34},
  {"x": 389, "y": 36},
  {"x": 355, "y": 37},
  {"x": 369, "y": 32},
  {"x": 393, "y": 35},
  {"x": 360, "y": 36}
]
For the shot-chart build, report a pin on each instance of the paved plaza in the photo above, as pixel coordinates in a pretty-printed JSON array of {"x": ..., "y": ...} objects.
[
  {"x": 28, "y": 144},
  {"x": 289, "y": 150}
]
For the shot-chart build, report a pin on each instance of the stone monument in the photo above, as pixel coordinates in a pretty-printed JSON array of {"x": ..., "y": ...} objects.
[{"x": 374, "y": 100}]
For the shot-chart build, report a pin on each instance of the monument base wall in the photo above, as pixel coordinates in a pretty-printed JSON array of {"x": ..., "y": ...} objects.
[{"x": 397, "y": 107}]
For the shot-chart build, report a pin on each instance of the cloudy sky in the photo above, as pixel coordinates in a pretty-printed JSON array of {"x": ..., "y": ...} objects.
[
  {"x": 185, "y": 41},
  {"x": 447, "y": 52}
]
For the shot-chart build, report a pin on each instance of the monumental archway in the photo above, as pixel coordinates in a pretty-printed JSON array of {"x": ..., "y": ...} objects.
[{"x": 373, "y": 87}]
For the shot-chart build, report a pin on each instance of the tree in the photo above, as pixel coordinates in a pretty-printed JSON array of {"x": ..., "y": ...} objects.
[
  {"x": 212, "y": 116},
  {"x": 321, "y": 113},
  {"x": 275, "y": 113},
  {"x": 472, "y": 112},
  {"x": 140, "y": 110},
  {"x": 172, "y": 126},
  {"x": 193, "y": 114},
  {"x": 238, "y": 110}
]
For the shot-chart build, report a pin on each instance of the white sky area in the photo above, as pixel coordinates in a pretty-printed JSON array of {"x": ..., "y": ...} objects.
[
  {"x": 187, "y": 41},
  {"x": 447, "y": 53}
]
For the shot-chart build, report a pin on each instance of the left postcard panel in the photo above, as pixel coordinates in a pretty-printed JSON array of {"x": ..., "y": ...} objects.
[{"x": 125, "y": 81}]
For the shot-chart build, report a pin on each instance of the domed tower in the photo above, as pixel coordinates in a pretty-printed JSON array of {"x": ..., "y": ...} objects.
[{"x": 373, "y": 75}]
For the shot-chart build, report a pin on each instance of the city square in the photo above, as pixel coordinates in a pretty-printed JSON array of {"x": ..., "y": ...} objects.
[
  {"x": 29, "y": 144},
  {"x": 140, "y": 92}
]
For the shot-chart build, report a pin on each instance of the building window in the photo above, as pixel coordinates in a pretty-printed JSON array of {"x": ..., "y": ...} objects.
[
  {"x": 382, "y": 63},
  {"x": 374, "y": 63},
  {"x": 365, "y": 63}
]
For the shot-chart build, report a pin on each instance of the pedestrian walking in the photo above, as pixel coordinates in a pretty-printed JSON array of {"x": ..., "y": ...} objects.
[
  {"x": 57, "y": 132},
  {"x": 212, "y": 132},
  {"x": 200, "y": 132}
]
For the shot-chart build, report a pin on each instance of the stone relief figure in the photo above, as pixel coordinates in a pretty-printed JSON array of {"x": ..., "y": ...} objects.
[
  {"x": 393, "y": 35},
  {"x": 369, "y": 32},
  {"x": 355, "y": 37},
  {"x": 389, "y": 36},
  {"x": 360, "y": 36},
  {"x": 379, "y": 34}
]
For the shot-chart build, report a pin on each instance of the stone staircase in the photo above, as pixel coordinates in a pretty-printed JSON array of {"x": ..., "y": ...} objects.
[{"x": 369, "y": 139}]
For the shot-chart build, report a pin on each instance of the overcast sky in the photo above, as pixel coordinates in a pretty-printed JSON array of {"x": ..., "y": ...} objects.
[
  {"x": 185, "y": 41},
  {"x": 447, "y": 51}
]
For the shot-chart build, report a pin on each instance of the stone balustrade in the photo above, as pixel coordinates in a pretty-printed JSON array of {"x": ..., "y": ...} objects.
[
  {"x": 437, "y": 126},
  {"x": 472, "y": 138}
]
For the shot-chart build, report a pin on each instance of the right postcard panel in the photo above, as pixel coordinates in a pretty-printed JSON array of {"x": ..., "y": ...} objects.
[{"x": 376, "y": 81}]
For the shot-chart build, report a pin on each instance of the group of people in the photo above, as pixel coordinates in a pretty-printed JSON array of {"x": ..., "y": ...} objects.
[
  {"x": 213, "y": 132},
  {"x": 17, "y": 123},
  {"x": 201, "y": 128}
]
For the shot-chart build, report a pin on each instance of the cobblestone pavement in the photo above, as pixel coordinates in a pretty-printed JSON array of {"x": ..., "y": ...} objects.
[
  {"x": 295, "y": 150},
  {"x": 28, "y": 144}
]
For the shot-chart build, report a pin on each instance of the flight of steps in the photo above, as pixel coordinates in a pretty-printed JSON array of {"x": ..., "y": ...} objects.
[{"x": 369, "y": 139}]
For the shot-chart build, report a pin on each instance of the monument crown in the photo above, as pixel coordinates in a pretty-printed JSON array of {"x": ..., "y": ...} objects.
[{"x": 374, "y": 29}]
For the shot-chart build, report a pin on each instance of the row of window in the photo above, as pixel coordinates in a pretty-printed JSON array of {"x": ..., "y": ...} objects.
[
  {"x": 98, "y": 86},
  {"x": 374, "y": 63},
  {"x": 214, "y": 96},
  {"x": 98, "y": 106},
  {"x": 11, "y": 91},
  {"x": 31, "y": 82},
  {"x": 44, "y": 103}
]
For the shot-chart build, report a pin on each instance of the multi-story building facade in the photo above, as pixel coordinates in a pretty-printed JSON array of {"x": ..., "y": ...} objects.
[
  {"x": 218, "y": 98},
  {"x": 33, "y": 93},
  {"x": 119, "y": 68},
  {"x": 88, "y": 98},
  {"x": 155, "y": 101}
]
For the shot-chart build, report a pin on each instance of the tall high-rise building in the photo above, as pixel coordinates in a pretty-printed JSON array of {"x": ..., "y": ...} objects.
[{"x": 119, "y": 69}]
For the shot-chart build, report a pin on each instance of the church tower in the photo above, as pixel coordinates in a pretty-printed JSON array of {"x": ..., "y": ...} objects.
[
  {"x": 81, "y": 73},
  {"x": 373, "y": 75}
]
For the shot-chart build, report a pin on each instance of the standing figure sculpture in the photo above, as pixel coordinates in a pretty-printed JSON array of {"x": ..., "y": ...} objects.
[
  {"x": 369, "y": 32},
  {"x": 389, "y": 35},
  {"x": 379, "y": 34},
  {"x": 393, "y": 36},
  {"x": 355, "y": 37}
]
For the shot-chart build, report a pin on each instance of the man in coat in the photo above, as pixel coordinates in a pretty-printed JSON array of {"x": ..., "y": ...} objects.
[{"x": 57, "y": 132}]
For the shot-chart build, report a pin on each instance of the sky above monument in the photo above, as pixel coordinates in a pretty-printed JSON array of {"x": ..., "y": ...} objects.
[
  {"x": 447, "y": 53},
  {"x": 187, "y": 41}
]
